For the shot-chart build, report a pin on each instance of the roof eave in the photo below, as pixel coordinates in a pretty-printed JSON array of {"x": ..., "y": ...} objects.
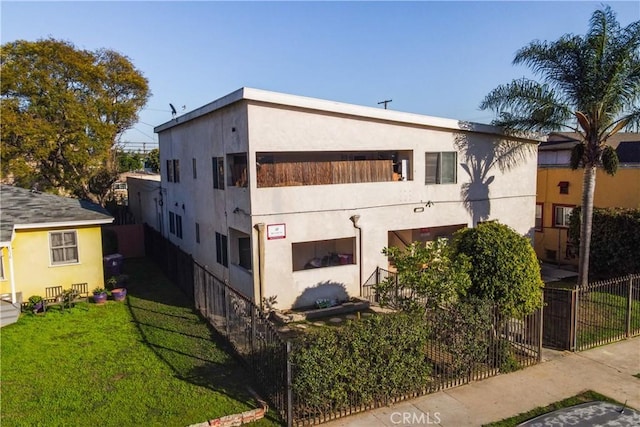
[
  {"x": 277, "y": 98},
  {"x": 60, "y": 224}
]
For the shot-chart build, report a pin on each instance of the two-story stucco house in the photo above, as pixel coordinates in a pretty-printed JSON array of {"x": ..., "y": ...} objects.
[
  {"x": 296, "y": 197},
  {"x": 559, "y": 191}
]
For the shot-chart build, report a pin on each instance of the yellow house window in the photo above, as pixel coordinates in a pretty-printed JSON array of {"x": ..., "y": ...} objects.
[
  {"x": 64, "y": 247},
  {"x": 1, "y": 264}
]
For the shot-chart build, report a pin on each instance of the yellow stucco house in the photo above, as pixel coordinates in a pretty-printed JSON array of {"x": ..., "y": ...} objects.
[
  {"x": 559, "y": 191},
  {"x": 47, "y": 240}
]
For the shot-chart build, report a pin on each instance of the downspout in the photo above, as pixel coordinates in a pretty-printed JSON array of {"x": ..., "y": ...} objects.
[
  {"x": 354, "y": 219},
  {"x": 260, "y": 228}
]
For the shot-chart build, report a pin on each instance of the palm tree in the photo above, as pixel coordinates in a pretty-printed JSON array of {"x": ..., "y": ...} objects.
[{"x": 590, "y": 85}]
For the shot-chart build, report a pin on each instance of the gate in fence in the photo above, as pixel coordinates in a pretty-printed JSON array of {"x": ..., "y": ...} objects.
[{"x": 600, "y": 313}]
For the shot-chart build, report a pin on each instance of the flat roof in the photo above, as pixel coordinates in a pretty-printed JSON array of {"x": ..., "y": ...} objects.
[{"x": 277, "y": 98}]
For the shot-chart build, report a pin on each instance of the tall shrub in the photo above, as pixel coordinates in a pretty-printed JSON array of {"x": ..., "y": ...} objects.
[
  {"x": 504, "y": 267},
  {"x": 615, "y": 240}
]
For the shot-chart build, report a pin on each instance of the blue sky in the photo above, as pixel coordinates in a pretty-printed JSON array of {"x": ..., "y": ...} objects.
[{"x": 434, "y": 58}]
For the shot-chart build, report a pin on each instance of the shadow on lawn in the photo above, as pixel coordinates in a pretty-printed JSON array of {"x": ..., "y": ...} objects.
[{"x": 179, "y": 336}]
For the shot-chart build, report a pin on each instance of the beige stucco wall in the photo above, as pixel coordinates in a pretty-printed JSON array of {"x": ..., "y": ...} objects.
[{"x": 322, "y": 212}]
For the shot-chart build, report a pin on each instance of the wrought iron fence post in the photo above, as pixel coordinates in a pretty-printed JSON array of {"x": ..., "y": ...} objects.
[
  {"x": 226, "y": 310},
  {"x": 289, "y": 387},
  {"x": 540, "y": 331},
  {"x": 629, "y": 305},
  {"x": 253, "y": 338},
  {"x": 574, "y": 319}
]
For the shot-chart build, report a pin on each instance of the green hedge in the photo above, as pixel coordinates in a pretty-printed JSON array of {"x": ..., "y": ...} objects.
[
  {"x": 366, "y": 360},
  {"x": 615, "y": 240}
]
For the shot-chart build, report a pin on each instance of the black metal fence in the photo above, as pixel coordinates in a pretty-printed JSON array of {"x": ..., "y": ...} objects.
[
  {"x": 600, "y": 313},
  {"x": 236, "y": 318},
  {"x": 267, "y": 356},
  {"x": 252, "y": 336}
]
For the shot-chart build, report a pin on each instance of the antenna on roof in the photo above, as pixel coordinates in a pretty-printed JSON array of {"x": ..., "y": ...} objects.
[
  {"x": 385, "y": 103},
  {"x": 173, "y": 110}
]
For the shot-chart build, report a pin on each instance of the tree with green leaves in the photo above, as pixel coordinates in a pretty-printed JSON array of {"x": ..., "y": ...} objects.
[
  {"x": 504, "y": 267},
  {"x": 63, "y": 111},
  {"x": 153, "y": 160},
  {"x": 128, "y": 161},
  {"x": 428, "y": 276},
  {"x": 590, "y": 85}
]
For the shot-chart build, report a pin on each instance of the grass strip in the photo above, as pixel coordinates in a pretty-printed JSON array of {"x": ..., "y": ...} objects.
[{"x": 150, "y": 360}]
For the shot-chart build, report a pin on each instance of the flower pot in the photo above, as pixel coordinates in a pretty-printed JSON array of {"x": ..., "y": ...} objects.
[
  {"x": 119, "y": 294},
  {"x": 100, "y": 298},
  {"x": 38, "y": 308}
]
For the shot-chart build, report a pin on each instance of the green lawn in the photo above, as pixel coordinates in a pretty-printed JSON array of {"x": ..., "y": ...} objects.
[
  {"x": 587, "y": 396},
  {"x": 147, "y": 361},
  {"x": 603, "y": 317}
]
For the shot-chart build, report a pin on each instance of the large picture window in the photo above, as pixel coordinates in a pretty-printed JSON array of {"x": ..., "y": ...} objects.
[
  {"x": 64, "y": 247},
  {"x": 441, "y": 168},
  {"x": 323, "y": 253}
]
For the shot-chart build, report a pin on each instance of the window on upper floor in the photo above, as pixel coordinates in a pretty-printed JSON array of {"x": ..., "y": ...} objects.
[
  {"x": 441, "y": 168},
  {"x": 194, "y": 167},
  {"x": 564, "y": 187},
  {"x": 197, "y": 233},
  {"x": 217, "y": 164},
  {"x": 64, "y": 247},
  {"x": 170, "y": 170},
  {"x": 286, "y": 169},
  {"x": 237, "y": 166},
  {"x": 176, "y": 170},
  {"x": 562, "y": 215}
]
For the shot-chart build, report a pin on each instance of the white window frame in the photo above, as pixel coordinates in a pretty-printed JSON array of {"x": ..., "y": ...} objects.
[
  {"x": 564, "y": 217},
  {"x": 64, "y": 247}
]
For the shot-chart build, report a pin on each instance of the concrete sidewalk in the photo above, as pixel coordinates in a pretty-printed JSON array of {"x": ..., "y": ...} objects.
[{"x": 607, "y": 370}]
